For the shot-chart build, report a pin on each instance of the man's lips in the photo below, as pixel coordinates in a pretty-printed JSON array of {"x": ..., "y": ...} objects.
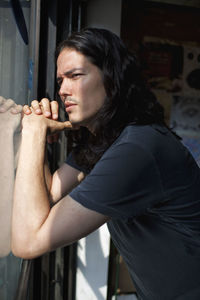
[{"x": 68, "y": 105}]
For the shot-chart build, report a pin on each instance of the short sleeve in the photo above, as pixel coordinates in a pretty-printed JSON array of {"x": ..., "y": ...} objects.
[
  {"x": 123, "y": 184},
  {"x": 71, "y": 162}
]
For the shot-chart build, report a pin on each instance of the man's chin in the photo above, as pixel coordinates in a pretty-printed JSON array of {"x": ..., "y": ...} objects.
[
  {"x": 74, "y": 122},
  {"x": 83, "y": 123}
]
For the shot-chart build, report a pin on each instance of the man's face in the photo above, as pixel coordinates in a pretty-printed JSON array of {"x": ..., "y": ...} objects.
[{"x": 81, "y": 87}]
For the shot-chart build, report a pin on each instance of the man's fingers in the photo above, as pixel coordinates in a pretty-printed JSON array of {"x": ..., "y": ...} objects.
[
  {"x": 50, "y": 108},
  {"x": 26, "y": 110},
  {"x": 46, "y": 107},
  {"x": 36, "y": 107},
  {"x": 54, "y": 109}
]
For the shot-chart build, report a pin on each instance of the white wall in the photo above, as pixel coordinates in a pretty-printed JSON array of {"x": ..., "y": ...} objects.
[
  {"x": 105, "y": 14},
  {"x": 92, "y": 271}
]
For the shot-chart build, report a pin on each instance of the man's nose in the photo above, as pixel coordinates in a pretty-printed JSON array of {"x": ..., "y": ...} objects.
[{"x": 65, "y": 88}]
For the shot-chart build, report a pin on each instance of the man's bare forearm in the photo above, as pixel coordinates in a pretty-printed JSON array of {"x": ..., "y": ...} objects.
[
  {"x": 31, "y": 204},
  {"x": 31, "y": 209}
]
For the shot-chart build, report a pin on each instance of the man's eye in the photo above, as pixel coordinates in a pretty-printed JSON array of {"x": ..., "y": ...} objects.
[{"x": 76, "y": 75}]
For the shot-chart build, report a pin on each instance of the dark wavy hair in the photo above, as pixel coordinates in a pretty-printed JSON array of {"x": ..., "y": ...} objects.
[{"x": 128, "y": 100}]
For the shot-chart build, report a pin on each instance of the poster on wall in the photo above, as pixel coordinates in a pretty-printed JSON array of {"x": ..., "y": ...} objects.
[
  {"x": 162, "y": 64},
  {"x": 172, "y": 72},
  {"x": 191, "y": 69},
  {"x": 172, "y": 67},
  {"x": 185, "y": 112},
  {"x": 185, "y": 121}
]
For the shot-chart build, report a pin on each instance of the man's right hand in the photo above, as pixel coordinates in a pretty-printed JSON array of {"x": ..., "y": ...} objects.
[{"x": 49, "y": 109}]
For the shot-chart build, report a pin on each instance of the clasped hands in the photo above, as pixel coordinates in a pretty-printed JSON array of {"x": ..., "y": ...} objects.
[{"x": 45, "y": 113}]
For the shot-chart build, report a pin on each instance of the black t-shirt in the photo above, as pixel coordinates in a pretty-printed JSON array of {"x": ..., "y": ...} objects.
[{"x": 149, "y": 184}]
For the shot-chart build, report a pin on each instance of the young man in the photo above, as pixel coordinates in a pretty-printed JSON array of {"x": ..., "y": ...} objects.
[{"x": 126, "y": 168}]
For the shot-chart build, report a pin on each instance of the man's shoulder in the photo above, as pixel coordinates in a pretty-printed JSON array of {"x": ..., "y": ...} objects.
[{"x": 137, "y": 133}]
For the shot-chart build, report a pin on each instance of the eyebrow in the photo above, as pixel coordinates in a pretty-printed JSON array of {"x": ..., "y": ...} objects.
[{"x": 71, "y": 71}]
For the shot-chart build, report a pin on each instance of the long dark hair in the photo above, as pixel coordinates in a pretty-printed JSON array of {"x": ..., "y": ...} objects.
[{"x": 128, "y": 99}]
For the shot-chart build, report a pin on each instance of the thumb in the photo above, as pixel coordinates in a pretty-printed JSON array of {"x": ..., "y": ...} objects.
[
  {"x": 55, "y": 126},
  {"x": 67, "y": 124}
]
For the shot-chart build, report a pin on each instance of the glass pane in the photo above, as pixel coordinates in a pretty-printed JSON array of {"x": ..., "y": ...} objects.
[
  {"x": 13, "y": 53},
  {"x": 13, "y": 84}
]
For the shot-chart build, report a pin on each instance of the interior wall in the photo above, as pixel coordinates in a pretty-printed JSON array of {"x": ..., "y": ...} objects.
[{"x": 105, "y": 14}]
